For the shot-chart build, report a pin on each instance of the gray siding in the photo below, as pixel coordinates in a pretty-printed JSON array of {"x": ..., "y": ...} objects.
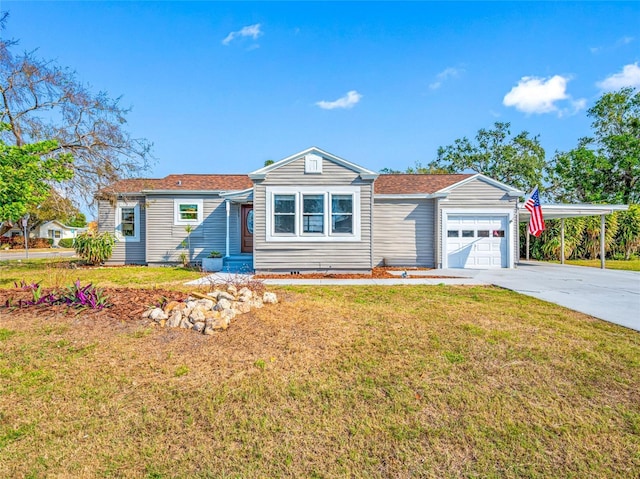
[
  {"x": 123, "y": 252},
  {"x": 312, "y": 256},
  {"x": 475, "y": 196},
  {"x": 403, "y": 232},
  {"x": 164, "y": 239}
]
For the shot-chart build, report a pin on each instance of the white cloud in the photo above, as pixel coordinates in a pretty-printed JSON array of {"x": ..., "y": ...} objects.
[
  {"x": 348, "y": 101},
  {"x": 621, "y": 42},
  {"x": 252, "y": 31},
  {"x": 444, "y": 75},
  {"x": 629, "y": 76},
  {"x": 538, "y": 95}
]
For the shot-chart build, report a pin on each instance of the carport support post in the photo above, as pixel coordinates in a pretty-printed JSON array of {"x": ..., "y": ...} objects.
[
  {"x": 602, "y": 227},
  {"x": 562, "y": 241},
  {"x": 527, "y": 243}
]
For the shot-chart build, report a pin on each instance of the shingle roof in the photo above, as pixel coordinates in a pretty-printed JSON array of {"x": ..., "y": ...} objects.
[
  {"x": 406, "y": 184},
  {"x": 392, "y": 184},
  {"x": 181, "y": 183}
]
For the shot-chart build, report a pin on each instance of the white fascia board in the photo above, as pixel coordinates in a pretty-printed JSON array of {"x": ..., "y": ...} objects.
[
  {"x": 514, "y": 192},
  {"x": 555, "y": 211},
  {"x": 365, "y": 174},
  {"x": 411, "y": 196},
  {"x": 183, "y": 192},
  {"x": 233, "y": 194}
]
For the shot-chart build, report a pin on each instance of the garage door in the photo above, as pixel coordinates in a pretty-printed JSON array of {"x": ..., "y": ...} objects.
[{"x": 476, "y": 241}]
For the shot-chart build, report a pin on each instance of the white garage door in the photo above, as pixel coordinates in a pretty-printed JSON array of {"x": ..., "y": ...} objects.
[{"x": 476, "y": 241}]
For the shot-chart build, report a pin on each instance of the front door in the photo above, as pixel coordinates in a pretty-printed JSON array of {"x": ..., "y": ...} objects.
[{"x": 246, "y": 240}]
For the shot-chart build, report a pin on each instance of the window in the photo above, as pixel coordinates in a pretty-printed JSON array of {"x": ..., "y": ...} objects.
[
  {"x": 483, "y": 233},
  {"x": 342, "y": 214},
  {"x": 127, "y": 221},
  {"x": 187, "y": 211},
  {"x": 468, "y": 233},
  {"x": 55, "y": 234},
  {"x": 313, "y": 214},
  {"x": 453, "y": 234},
  {"x": 498, "y": 233},
  {"x": 284, "y": 209},
  {"x": 307, "y": 213}
]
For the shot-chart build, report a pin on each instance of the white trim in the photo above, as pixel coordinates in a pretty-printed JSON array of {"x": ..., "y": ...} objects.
[
  {"x": 409, "y": 196},
  {"x": 187, "y": 201},
  {"x": 327, "y": 192},
  {"x": 136, "y": 221},
  {"x": 313, "y": 164},
  {"x": 446, "y": 212}
]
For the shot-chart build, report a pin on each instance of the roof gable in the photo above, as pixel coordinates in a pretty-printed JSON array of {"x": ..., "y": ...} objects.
[
  {"x": 511, "y": 191},
  {"x": 364, "y": 173}
]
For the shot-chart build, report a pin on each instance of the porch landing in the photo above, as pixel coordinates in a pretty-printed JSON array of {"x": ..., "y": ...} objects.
[{"x": 238, "y": 263}]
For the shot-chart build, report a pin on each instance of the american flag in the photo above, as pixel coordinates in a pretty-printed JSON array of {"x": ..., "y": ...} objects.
[{"x": 536, "y": 223}]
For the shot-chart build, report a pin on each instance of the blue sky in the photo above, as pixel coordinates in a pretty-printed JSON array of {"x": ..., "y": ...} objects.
[{"x": 222, "y": 87}]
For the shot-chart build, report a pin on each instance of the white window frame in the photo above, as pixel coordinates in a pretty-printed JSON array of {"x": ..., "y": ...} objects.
[
  {"x": 177, "y": 221},
  {"x": 136, "y": 221},
  {"x": 298, "y": 235}
]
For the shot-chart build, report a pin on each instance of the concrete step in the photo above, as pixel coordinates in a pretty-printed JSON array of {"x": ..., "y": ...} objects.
[{"x": 238, "y": 264}]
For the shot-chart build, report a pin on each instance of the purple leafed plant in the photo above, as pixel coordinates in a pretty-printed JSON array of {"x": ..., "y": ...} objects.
[{"x": 76, "y": 295}]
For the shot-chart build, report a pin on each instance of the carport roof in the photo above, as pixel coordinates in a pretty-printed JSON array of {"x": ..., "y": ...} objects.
[{"x": 554, "y": 211}]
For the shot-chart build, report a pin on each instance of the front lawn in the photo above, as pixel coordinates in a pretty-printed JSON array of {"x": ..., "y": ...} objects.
[
  {"x": 630, "y": 265},
  {"x": 405, "y": 381},
  {"x": 62, "y": 272}
]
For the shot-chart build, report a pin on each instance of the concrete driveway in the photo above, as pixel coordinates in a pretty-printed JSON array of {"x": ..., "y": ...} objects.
[{"x": 612, "y": 295}]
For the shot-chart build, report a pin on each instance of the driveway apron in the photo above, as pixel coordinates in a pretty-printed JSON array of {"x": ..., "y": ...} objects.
[{"x": 611, "y": 295}]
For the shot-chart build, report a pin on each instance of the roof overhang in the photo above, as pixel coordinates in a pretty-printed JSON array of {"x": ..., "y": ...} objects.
[
  {"x": 239, "y": 196},
  {"x": 409, "y": 196},
  {"x": 180, "y": 192},
  {"x": 555, "y": 211}
]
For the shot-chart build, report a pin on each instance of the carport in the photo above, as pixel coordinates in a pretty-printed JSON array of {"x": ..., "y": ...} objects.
[{"x": 562, "y": 211}]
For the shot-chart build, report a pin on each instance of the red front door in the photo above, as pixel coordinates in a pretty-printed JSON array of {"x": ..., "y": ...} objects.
[{"x": 246, "y": 240}]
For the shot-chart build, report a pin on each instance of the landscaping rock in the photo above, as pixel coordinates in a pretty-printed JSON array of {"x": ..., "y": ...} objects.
[
  {"x": 269, "y": 298},
  {"x": 206, "y": 314}
]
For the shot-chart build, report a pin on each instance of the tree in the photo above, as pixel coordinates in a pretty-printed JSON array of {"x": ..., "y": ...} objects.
[
  {"x": 605, "y": 167},
  {"x": 416, "y": 169},
  {"x": 27, "y": 172},
  {"x": 57, "y": 207},
  {"x": 42, "y": 102},
  {"x": 518, "y": 161}
]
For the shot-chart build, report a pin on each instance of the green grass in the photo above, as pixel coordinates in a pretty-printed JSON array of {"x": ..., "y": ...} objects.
[
  {"x": 409, "y": 381},
  {"x": 57, "y": 273},
  {"x": 631, "y": 265}
]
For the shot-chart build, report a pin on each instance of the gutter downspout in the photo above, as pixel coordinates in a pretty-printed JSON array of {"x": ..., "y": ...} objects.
[{"x": 227, "y": 204}]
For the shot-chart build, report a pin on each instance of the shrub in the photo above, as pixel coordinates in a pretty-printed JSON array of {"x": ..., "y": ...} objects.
[
  {"x": 94, "y": 248},
  {"x": 66, "y": 243}
]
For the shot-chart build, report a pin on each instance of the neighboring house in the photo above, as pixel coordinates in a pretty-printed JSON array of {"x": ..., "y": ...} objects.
[
  {"x": 314, "y": 211},
  {"x": 55, "y": 230}
]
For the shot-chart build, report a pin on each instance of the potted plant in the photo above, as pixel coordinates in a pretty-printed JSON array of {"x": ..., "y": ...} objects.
[{"x": 213, "y": 262}]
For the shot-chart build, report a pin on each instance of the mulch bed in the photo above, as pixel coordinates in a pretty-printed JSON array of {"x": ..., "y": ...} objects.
[
  {"x": 126, "y": 303},
  {"x": 376, "y": 273}
]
